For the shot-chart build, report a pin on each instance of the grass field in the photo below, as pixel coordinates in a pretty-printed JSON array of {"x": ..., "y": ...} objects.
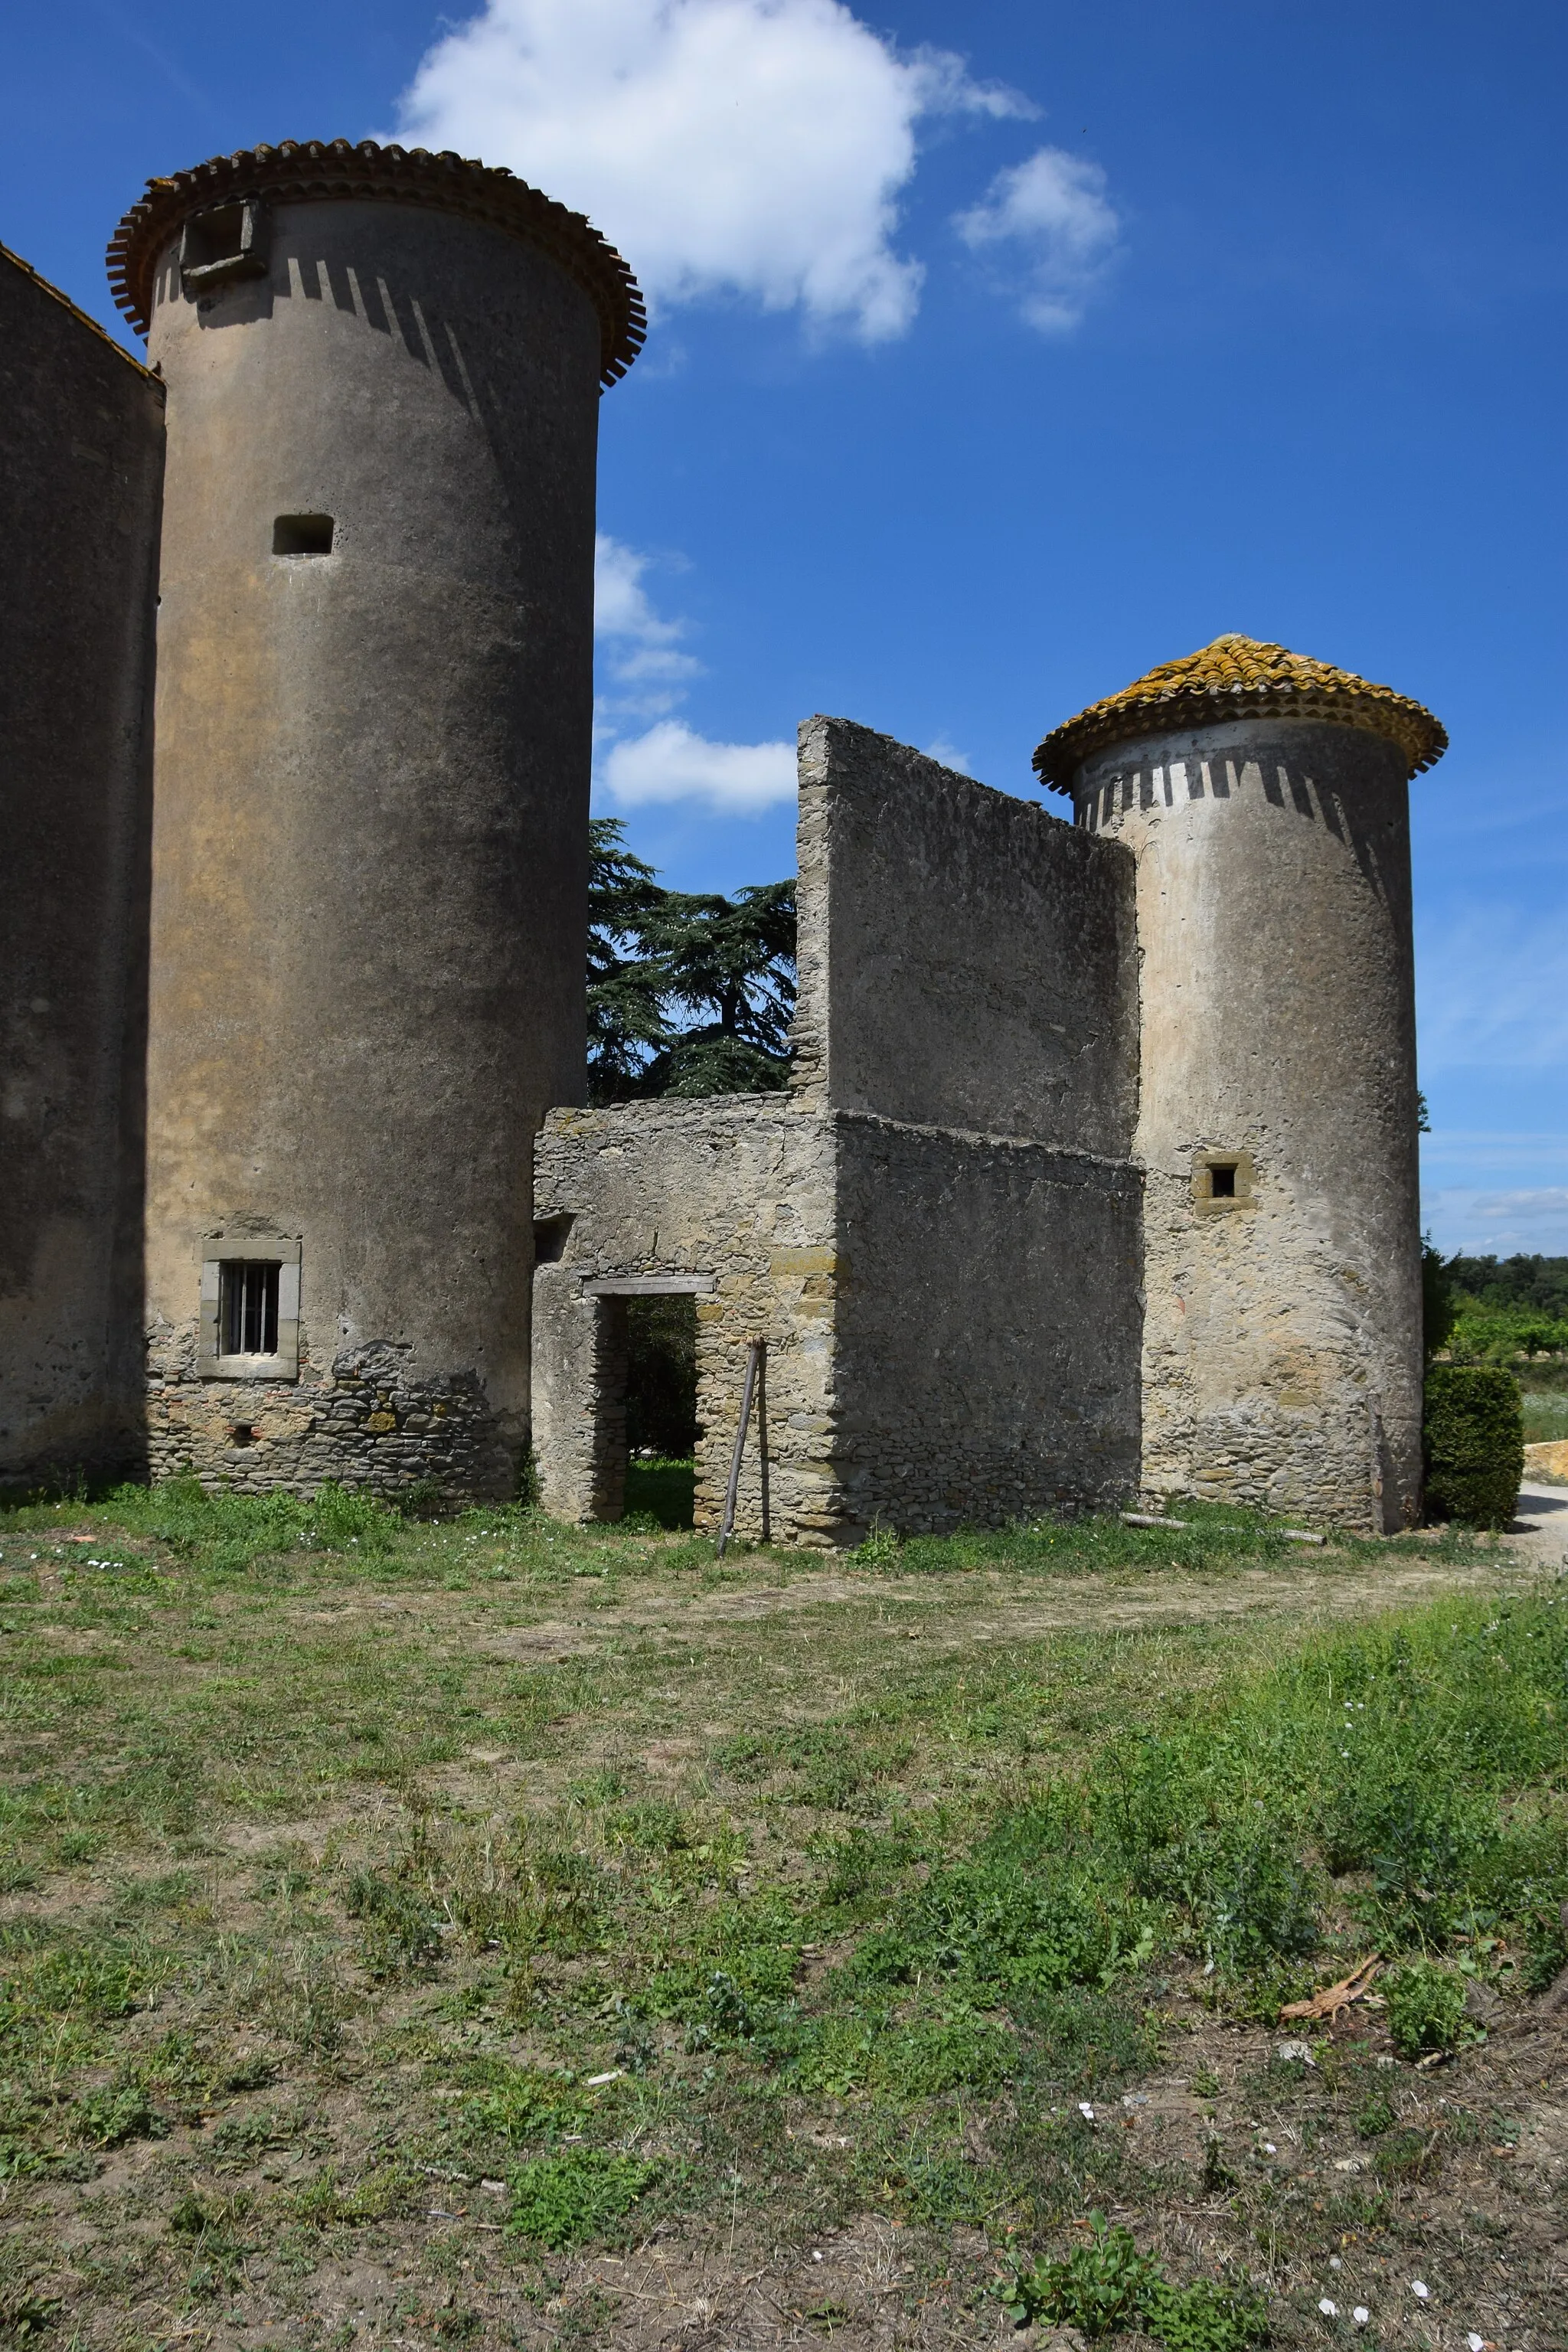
[{"x": 492, "y": 1932}]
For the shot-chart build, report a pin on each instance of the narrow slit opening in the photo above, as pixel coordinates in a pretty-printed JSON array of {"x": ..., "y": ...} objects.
[{"x": 1222, "y": 1181}]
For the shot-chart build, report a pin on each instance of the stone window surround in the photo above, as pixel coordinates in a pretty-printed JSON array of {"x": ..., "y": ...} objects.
[
  {"x": 219, "y": 1250},
  {"x": 1205, "y": 1202}
]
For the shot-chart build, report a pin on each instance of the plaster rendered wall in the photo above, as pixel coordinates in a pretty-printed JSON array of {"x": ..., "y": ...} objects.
[
  {"x": 986, "y": 1330},
  {"x": 966, "y": 959},
  {"x": 739, "y": 1187},
  {"x": 81, "y": 462},
  {"x": 1282, "y": 1337},
  {"x": 370, "y": 852}
]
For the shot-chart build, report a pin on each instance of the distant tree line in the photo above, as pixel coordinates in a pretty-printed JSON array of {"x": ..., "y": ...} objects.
[
  {"x": 1538, "y": 1284},
  {"x": 690, "y": 993},
  {"x": 1484, "y": 1309}
]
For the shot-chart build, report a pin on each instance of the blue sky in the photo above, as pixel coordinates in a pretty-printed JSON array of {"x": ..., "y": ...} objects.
[{"x": 999, "y": 353}]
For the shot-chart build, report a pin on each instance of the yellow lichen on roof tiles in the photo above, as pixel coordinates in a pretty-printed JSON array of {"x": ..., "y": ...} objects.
[{"x": 1235, "y": 677}]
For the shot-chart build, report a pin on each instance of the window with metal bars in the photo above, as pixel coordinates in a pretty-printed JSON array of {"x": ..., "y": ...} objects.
[{"x": 247, "y": 1307}]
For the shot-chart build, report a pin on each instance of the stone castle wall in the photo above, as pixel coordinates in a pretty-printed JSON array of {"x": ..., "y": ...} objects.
[{"x": 81, "y": 464}]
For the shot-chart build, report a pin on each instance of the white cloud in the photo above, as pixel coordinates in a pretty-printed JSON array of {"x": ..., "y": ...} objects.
[
  {"x": 1049, "y": 223},
  {"x": 641, "y": 649},
  {"x": 749, "y": 147},
  {"x": 1500, "y": 1224},
  {"x": 642, "y": 664},
  {"x": 672, "y": 764},
  {"x": 949, "y": 755}
]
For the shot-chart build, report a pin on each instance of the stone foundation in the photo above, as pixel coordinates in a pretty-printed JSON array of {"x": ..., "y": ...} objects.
[{"x": 367, "y": 1422}]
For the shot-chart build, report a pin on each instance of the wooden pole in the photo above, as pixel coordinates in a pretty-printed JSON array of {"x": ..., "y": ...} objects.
[
  {"x": 762, "y": 1434},
  {"x": 755, "y": 1350}
]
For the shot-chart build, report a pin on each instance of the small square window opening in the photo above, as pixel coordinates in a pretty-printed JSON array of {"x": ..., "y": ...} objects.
[
  {"x": 1222, "y": 1180},
  {"x": 247, "y": 1307},
  {"x": 303, "y": 534}
]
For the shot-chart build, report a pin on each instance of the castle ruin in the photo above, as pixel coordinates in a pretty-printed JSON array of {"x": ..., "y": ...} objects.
[{"x": 1097, "y": 1177}]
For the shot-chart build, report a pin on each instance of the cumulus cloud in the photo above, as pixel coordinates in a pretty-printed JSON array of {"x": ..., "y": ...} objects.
[
  {"x": 728, "y": 147},
  {"x": 670, "y": 763},
  {"x": 1500, "y": 1224},
  {"x": 643, "y": 674},
  {"x": 1049, "y": 229}
]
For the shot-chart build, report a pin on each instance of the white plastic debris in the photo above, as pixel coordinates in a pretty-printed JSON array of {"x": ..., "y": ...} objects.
[
  {"x": 1335, "y": 2263},
  {"x": 1330, "y": 2310},
  {"x": 1477, "y": 2343},
  {"x": 1301, "y": 2050},
  {"x": 1361, "y": 2315},
  {"x": 1270, "y": 2148},
  {"x": 1420, "y": 2289},
  {"x": 598, "y": 2082},
  {"x": 1086, "y": 2111}
]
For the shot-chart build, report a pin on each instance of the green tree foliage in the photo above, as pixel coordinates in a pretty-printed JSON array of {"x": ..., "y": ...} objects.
[
  {"x": 690, "y": 993},
  {"x": 1436, "y": 1298},
  {"x": 1534, "y": 1286},
  {"x": 1474, "y": 1444}
]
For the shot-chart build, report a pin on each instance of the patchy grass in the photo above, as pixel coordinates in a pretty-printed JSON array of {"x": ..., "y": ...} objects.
[{"x": 520, "y": 1935}]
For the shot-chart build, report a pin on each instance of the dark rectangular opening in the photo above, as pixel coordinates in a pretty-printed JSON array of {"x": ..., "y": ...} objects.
[
  {"x": 217, "y": 236},
  {"x": 551, "y": 1236},
  {"x": 302, "y": 535},
  {"x": 247, "y": 1307},
  {"x": 229, "y": 242},
  {"x": 1222, "y": 1180},
  {"x": 661, "y": 1408}
]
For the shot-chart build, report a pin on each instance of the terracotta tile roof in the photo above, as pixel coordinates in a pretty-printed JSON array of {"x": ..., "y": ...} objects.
[
  {"x": 318, "y": 171},
  {"x": 1237, "y": 677}
]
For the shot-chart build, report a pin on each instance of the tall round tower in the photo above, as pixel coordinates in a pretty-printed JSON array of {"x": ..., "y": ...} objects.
[
  {"x": 370, "y": 795},
  {"x": 1265, "y": 798}
]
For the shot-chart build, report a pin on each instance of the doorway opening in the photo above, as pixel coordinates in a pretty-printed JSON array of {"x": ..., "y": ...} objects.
[{"x": 661, "y": 1408}]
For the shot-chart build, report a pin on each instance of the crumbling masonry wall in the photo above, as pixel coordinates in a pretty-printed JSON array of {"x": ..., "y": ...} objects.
[
  {"x": 952, "y": 1305},
  {"x": 738, "y": 1190}
]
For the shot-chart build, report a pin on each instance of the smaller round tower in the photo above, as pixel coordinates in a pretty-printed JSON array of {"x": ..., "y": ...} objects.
[{"x": 1265, "y": 798}]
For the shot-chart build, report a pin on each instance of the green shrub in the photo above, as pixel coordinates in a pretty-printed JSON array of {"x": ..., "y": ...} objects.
[
  {"x": 1474, "y": 1444},
  {"x": 563, "y": 2200},
  {"x": 1426, "y": 2010}
]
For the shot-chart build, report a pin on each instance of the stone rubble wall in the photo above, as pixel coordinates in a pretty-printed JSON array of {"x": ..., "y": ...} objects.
[
  {"x": 739, "y": 1187},
  {"x": 951, "y": 1320},
  {"x": 365, "y": 1421}
]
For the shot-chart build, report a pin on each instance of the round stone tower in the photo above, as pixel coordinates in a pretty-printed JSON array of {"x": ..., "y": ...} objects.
[
  {"x": 1265, "y": 799},
  {"x": 370, "y": 796}
]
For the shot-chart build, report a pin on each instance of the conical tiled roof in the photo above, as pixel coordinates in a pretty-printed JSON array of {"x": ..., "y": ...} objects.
[
  {"x": 314, "y": 171},
  {"x": 1234, "y": 679}
]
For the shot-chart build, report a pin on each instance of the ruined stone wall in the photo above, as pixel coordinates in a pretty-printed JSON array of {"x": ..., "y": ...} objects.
[
  {"x": 987, "y": 1328},
  {"x": 1282, "y": 1362},
  {"x": 739, "y": 1188},
  {"x": 81, "y": 460},
  {"x": 951, "y": 1319},
  {"x": 966, "y": 959}
]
